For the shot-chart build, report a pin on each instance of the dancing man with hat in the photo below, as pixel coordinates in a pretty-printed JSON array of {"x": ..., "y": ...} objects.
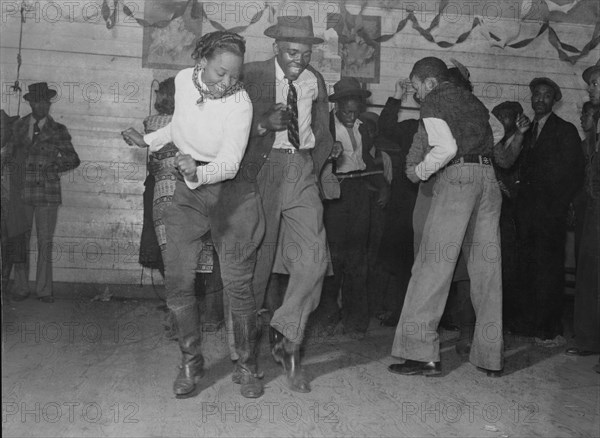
[
  {"x": 289, "y": 145},
  {"x": 40, "y": 149},
  {"x": 551, "y": 169},
  {"x": 356, "y": 170}
]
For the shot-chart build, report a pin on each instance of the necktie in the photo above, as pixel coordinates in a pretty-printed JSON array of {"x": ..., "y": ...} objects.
[
  {"x": 534, "y": 133},
  {"x": 36, "y": 131},
  {"x": 292, "y": 106}
]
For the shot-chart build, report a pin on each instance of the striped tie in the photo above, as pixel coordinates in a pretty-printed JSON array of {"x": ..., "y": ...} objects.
[{"x": 292, "y": 106}]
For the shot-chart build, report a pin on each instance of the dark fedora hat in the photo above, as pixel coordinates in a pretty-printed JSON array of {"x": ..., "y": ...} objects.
[
  {"x": 550, "y": 83},
  {"x": 294, "y": 29},
  {"x": 39, "y": 92},
  {"x": 587, "y": 73},
  {"x": 348, "y": 87},
  {"x": 508, "y": 106}
]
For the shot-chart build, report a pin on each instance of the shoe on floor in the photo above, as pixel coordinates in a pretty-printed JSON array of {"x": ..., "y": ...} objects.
[
  {"x": 551, "y": 343},
  {"x": 574, "y": 351},
  {"x": 416, "y": 368},
  {"x": 491, "y": 373}
]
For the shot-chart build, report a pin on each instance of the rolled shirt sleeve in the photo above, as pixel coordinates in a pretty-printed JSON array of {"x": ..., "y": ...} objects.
[
  {"x": 157, "y": 139},
  {"x": 236, "y": 131},
  {"x": 443, "y": 144}
]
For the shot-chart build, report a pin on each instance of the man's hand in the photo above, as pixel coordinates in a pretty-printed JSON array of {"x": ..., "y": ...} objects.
[
  {"x": 401, "y": 89},
  {"x": 522, "y": 123},
  {"x": 186, "y": 166},
  {"x": 384, "y": 196},
  {"x": 132, "y": 137},
  {"x": 276, "y": 118},
  {"x": 336, "y": 150},
  {"x": 412, "y": 175}
]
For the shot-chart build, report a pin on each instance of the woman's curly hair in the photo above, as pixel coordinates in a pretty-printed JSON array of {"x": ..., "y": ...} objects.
[{"x": 219, "y": 41}]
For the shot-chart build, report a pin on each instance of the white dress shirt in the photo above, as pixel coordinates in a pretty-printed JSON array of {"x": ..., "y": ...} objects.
[
  {"x": 351, "y": 159},
  {"x": 308, "y": 91},
  {"x": 215, "y": 131}
]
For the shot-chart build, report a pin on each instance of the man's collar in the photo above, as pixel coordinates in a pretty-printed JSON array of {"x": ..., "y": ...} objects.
[
  {"x": 543, "y": 118},
  {"x": 280, "y": 75},
  {"x": 40, "y": 122}
]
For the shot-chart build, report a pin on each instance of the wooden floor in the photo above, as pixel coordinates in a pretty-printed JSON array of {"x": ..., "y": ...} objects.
[{"x": 81, "y": 368}]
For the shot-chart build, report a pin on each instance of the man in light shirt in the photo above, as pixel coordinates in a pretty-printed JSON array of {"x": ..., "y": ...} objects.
[
  {"x": 464, "y": 213},
  {"x": 356, "y": 170},
  {"x": 288, "y": 147}
]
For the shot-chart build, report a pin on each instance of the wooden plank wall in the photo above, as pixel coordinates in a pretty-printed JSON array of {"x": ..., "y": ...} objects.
[{"x": 104, "y": 90}]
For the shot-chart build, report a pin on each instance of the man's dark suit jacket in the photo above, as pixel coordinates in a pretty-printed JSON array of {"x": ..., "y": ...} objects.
[
  {"x": 552, "y": 170},
  {"x": 259, "y": 80}
]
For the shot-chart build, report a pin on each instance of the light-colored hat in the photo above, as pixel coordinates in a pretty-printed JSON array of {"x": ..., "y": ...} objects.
[{"x": 293, "y": 29}]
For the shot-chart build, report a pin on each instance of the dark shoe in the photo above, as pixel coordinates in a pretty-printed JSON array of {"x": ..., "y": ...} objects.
[
  {"x": 18, "y": 298},
  {"x": 288, "y": 355},
  {"x": 491, "y": 373},
  {"x": 574, "y": 351},
  {"x": 416, "y": 368},
  {"x": 236, "y": 376},
  {"x": 190, "y": 372},
  {"x": 463, "y": 347},
  {"x": 48, "y": 299},
  {"x": 252, "y": 386}
]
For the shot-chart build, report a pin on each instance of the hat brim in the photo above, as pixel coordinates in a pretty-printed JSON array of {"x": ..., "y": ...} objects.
[
  {"x": 273, "y": 32},
  {"x": 587, "y": 73},
  {"x": 557, "y": 92},
  {"x": 357, "y": 93},
  {"x": 29, "y": 97}
]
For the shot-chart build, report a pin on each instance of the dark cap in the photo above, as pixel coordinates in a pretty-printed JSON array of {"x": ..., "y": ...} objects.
[{"x": 550, "y": 83}]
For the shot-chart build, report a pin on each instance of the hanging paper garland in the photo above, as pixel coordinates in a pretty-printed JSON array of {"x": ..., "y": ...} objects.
[
  {"x": 426, "y": 33},
  {"x": 196, "y": 12}
]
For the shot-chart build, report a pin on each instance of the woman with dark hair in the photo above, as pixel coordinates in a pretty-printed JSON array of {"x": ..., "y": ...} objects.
[{"x": 210, "y": 128}]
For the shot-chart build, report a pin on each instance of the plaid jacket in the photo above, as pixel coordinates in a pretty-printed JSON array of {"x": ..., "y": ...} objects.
[{"x": 37, "y": 165}]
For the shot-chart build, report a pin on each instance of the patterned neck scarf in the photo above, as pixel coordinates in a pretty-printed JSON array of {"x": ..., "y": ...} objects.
[{"x": 205, "y": 92}]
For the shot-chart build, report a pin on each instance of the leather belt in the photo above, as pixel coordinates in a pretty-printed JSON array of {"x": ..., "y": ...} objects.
[
  {"x": 358, "y": 174},
  {"x": 291, "y": 151},
  {"x": 481, "y": 159}
]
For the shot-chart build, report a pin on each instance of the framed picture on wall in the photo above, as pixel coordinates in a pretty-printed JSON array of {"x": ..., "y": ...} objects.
[
  {"x": 171, "y": 43},
  {"x": 361, "y": 55}
]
